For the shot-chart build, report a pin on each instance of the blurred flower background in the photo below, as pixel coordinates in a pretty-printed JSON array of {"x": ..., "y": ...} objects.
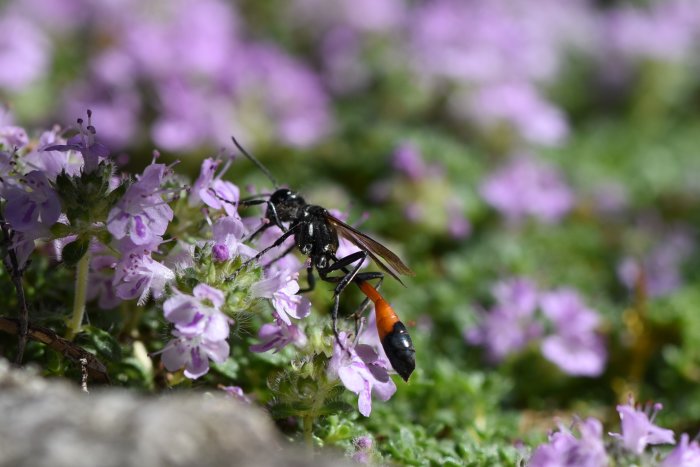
[{"x": 536, "y": 163}]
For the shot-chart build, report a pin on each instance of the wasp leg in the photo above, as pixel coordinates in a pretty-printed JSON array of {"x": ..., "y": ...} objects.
[
  {"x": 310, "y": 280},
  {"x": 277, "y": 243},
  {"x": 279, "y": 257},
  {"x": 270, "y": 222},
  {"x": 252, "y": 201},
  {"x": 359, "y": 277},
  {"x": 261, "y": 229},
  {"x": 342, "y": 283}
]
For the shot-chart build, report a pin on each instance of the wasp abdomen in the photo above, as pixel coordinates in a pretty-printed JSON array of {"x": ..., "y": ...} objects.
[
  {"x": 399, "y": 349},
  {"x": 392, "y": 334}
]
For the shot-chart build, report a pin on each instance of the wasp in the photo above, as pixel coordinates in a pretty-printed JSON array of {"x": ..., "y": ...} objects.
[{"x": 316, "y": 233}]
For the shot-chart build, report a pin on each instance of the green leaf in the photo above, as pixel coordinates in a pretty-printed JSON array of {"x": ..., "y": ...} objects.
[
  {"x": 104, "y": 343},
  {"x": 59, "y": 230},
  {"x": 75, "y": 250},
  {"x": 229, "y": 368}
]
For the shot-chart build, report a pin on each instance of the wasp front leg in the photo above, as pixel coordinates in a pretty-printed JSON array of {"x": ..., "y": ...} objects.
[{"x": 277, "y": 243}]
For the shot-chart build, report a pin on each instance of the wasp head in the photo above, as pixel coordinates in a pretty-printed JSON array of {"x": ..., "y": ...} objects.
[{"x": 285, "y": 204}]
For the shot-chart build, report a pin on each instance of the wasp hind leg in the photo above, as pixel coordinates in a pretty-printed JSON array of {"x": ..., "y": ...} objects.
[{"x": 343, "y": 281}]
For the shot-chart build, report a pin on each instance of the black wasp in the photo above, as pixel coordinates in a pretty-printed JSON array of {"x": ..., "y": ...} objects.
[{"x": 315, "y": 233}]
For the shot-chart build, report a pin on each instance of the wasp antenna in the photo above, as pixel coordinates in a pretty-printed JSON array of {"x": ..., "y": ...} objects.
[{"x": 256, "y": 162}]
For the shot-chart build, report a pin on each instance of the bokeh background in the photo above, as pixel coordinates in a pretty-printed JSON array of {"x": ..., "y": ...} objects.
[{"x": 518, "y": 154}]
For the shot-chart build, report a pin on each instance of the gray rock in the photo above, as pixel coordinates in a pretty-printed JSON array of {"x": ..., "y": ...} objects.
[{"x": 52, "y": 423}]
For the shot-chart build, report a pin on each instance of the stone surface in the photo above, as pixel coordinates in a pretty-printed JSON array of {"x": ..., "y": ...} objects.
[{"x": 52, "y": 423}]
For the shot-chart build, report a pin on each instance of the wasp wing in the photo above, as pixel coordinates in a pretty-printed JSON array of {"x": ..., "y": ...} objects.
[{"x": 394, "y": 266}]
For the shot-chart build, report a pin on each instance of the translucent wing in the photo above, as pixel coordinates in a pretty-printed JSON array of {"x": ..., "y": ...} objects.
[{"x": 394, "y": 266}]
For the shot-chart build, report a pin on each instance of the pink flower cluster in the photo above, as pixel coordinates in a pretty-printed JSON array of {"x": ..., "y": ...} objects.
[
  {"x": 638, "y": 431},
  {"x": 571, "y": 343}
]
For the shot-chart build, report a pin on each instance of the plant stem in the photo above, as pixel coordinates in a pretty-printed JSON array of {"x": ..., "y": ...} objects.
[
  {"x": 12, "y": 266},
  {"x": 308, "y": 431},
  {"x": 81, "y": 282}
]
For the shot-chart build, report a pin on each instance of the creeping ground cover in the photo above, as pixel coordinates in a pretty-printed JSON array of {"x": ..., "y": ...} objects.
[{"x": 536, "y": 165}]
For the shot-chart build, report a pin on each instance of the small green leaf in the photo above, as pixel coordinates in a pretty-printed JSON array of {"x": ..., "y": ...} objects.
[
  {"x": 59, "y": 230},
  {"x": 104, "y": 343},
  {"x": 229, "y": 368},
  {"x": 75, "y": 250},
  {"x": 280, "y": 410}
]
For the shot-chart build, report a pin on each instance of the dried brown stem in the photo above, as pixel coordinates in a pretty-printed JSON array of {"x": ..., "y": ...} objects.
[{"x": 95, "y": 369}]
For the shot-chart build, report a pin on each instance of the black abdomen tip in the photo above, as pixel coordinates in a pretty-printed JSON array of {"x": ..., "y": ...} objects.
[{"x": 399, "y": 348}]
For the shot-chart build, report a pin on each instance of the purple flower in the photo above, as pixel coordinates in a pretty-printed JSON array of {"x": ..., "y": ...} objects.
[
  {"x": 201, "y": 330},
  {"x": 580, "y": 356},
  {"x": 117, "y": 106},
  {"x": 344, "y": 70},
  {"x": 458, "y": 225},
  {"x": 363, "y": 449},
  {"x": 638, "y": 428},
  {"x": 33, "y": 205},
  {"x": 212, "y": 191},
  {"x": 574, "y": 347},
  {"x": 101, "y": 280},
  {"x": 141, "y": 215},
  {"x": 482, "y": 42},
  {"x": 193, "y": 353},
  {"x": 198, "y": 314},
  {"x": 363, "y": 443},
  {"x": 659, "y": 271},
  {"x": 228, "y": 233},
  {"x": 528, "y": 187},
  {"x": 86, "y": 144},
  {"x": 25, "y": 53},
  {"x": 296, "y": 103},
  {"x": 235, "y": 392},
  {"x": 361, "y": 371},
  {"x": 23, "y": 244},
  {"x": 686, "y": 454},
  {"x": 278, "y": 335},
  {"x": 510, "y": 325},
  {"x": 565, "y": 450},
  {"x": 139, "y": 275},
  {"x": 518, "y": 105},
  {"x": 665, "y": 31},
  {"x": 519, "y": 294},
  {"x": 281, "y": 288},
  {"x": 13, "y": 137},
  {"x": 408, "y": 159},
  {"x": 369, "y": 335},
  {"x": 362, "y": 15},
  {"x": 53, "y": 163}
]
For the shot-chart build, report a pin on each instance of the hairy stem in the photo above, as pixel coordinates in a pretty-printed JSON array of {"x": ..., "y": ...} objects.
[{"x": 81, "y": 282}]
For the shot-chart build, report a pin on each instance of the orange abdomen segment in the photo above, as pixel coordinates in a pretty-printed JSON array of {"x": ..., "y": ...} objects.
[
  {"x": 393, "y": 334},
  {"x": 386, "y": 318}
]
